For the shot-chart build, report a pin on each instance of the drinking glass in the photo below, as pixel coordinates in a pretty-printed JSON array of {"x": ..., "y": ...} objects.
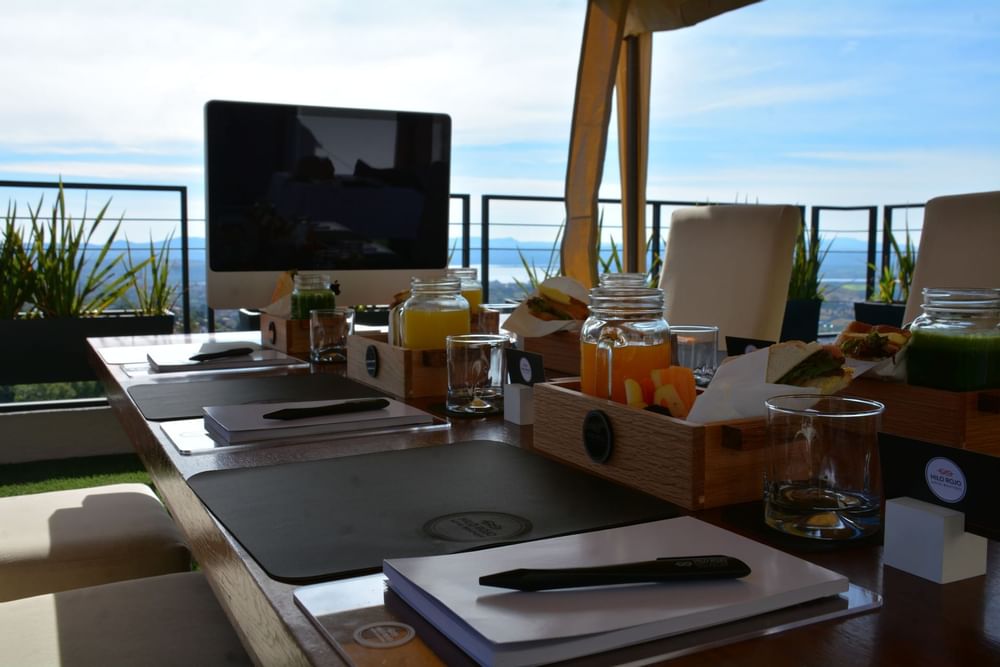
[
  {"x": 328, "y": 332},
  {"x": 823, "y": 479},
  {"x": 698, "y": 349},
  {"x": 476, "y": 371}
]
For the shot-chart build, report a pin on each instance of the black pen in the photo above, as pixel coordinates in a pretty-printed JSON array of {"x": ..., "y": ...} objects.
[
  {"x": 651, "y": 571},
  {"x": 343, "y": 407},
  {"x": 221, "y": 354}
]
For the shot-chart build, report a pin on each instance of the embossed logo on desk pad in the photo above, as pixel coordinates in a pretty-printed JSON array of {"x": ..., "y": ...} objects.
[{"x": 477, "y": 526}]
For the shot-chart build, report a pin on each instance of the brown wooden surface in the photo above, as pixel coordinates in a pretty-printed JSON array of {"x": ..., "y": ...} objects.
[
  {"x": 920, "y": 623},
  {"x": 969, "y": 419}
]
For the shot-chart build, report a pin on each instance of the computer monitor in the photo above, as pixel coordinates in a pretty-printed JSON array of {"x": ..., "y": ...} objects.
[{"x": 359, "y": 194}]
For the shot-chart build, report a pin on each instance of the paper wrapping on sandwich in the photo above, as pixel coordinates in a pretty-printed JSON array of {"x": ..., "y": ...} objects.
[
  {"x": 559, "y": 304},
  {"x": 281, "y": 298},
  {"x": 875, "y": 350},
  {"x": 743, "y": 383}
]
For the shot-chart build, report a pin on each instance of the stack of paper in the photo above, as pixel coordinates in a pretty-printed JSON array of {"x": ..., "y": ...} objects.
[
  {"x": 501, "y": 627},
  {"x": 256, "y": 422}
]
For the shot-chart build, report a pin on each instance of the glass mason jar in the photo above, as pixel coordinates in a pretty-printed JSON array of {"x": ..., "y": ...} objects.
[
  {"x": 472, "y": 289},
  {"x": 434, "y": 310},
  {"x": 955, "y": 343},
  {"x": 309, "y": 292},
  {"x": 622, "y": 280},
  {"x": 625, "y": 336}
]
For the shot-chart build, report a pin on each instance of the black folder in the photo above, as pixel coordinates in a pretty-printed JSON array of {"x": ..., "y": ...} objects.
[{"x": 317, "y": 520}]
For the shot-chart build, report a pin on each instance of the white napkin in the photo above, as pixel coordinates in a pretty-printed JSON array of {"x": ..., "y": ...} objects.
[{"x": 738, "y": 390}]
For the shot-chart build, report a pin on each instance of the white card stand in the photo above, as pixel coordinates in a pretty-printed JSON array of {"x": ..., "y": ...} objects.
[
  {"x": 930, "y": 541},
  {"x": 519, "y": 404}
]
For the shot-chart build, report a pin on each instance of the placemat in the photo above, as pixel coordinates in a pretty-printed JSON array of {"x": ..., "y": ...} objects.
[
  {"x": 184, "y": 400},
  {"x": 319, "y": 520}
]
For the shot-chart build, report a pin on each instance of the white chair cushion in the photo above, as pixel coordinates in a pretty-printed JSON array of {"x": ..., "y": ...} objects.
[
  {"x": 172, "y": 620},
  {"x": 83, "y": 537}
]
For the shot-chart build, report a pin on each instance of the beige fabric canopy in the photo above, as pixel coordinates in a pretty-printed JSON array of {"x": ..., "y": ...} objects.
[{"x": 617, "y": 53}]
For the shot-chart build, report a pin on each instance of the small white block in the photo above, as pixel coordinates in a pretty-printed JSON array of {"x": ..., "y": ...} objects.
[
  {"x": 930, "y": 541},
  {"x": 519, "y": 404}
]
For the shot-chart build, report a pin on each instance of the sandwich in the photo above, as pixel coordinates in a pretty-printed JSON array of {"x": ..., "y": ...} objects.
[
  {"x": 553, "y": 304},
  {"x": 871, "y": 342},
  {"x": 808, "y": 365}
]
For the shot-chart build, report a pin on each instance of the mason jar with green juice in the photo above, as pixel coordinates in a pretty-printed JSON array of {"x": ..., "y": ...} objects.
[{"x": 955, "y": 343}]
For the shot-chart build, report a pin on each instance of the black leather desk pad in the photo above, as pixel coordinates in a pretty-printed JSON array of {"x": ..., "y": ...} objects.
[
  {"x": 185, "y": 400},
  {"x": 326, "y": 519}
]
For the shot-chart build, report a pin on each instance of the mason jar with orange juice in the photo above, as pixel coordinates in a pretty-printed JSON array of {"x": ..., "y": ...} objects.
[
  {"x": 434, "y": 310},
  {"x": 472, "y": 289},
  {"x": 625, "y": 336}
]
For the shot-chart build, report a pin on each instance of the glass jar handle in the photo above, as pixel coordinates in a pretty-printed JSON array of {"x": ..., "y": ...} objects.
[
  {"x": 610, "y": 338},
  {"x": 396, "y": 325}
]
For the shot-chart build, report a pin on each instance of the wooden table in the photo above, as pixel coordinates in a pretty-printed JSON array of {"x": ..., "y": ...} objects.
[{"x": 920, "y": 623}]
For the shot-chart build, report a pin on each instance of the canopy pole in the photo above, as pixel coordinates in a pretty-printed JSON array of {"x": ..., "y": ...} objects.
[
  {"x": 633, "y": 85},
  {"x": 602, "y": 38}
]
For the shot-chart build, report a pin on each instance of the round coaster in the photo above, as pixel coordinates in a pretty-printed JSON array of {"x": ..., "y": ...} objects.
[{"x": 384, "y": 634}]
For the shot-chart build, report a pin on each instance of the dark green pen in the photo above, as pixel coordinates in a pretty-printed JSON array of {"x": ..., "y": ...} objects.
[{"x": 341, "y": 408}]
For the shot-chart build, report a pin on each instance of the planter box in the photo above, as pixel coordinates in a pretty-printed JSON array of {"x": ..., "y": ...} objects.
[
  {"x": 801, "y": 321},
  {"x": 400, "y": 371},
  {"x": 692, "y": 465},
  {"x": 871, "y": 312},
  {"x": 55, "y": 349}
]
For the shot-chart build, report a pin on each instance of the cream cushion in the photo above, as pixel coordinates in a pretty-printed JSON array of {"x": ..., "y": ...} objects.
[
  {"x": 171, "y": 619},
  {"x": 959, "y": 246},
  {"x": 83, "y": 537},
  {"x": 729, "y": 266}
]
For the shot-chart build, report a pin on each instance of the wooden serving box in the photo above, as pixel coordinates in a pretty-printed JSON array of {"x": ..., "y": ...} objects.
[
  {"x": 285, "y": 335},
  {"x": 402, "y": 372},
  {"x": 692, "y": 465},
  {"x": 560, "y": 351},
  {"x": 963, "y": 419}
]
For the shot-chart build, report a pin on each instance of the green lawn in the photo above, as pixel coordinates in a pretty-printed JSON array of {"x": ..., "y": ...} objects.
[{"x": 38, "y": 476}]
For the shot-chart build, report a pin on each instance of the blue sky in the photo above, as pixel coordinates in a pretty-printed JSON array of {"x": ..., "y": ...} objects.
[{"x": 840, "y": 103}]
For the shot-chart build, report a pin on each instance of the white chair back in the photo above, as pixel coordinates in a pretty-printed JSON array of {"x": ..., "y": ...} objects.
[
  {"x": 730, "y": 266},
  {"x": 959, "y": 246}
]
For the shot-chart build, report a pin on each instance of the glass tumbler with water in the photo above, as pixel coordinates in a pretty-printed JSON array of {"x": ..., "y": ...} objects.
[{"x": 823, "y": 479}]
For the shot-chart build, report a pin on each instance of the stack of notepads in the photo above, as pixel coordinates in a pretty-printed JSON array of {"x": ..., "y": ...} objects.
[
  {"x": 260, "y": 422},
  {"x": 499, "y": 626}
]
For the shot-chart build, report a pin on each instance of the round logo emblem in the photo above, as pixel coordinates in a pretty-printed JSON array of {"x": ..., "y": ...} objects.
[
  {"x": 525, "y": 367},
  {"x": 477, "y": 526},
  {"x": 384, "y": 634},
  {"x": 945, "y": 479}
]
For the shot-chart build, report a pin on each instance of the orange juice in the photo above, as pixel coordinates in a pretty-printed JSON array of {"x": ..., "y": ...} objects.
[
  {"x": 474, "y": 295},
  {"x": 629, "y": 361},
  {"x": 427, "y": 329}
]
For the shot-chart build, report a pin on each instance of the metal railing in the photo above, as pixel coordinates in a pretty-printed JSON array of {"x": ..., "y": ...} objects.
[{"x": 878, "y": 250}]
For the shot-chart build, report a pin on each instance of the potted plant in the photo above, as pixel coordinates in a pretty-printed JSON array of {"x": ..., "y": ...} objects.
[
  {"x": 888, "y": 302},
  {"x": 805, "y": 290},
  {"x": 60, "y": 290}
]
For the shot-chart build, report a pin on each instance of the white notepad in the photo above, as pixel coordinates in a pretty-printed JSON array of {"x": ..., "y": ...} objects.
[
  {"x": 500, "y": 627},
  {"x": 235, "y": 424},
  {"x": 177, "y": 358}
]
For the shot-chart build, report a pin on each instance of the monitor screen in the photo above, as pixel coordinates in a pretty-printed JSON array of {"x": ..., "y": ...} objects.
[{"x": 359, "y": 194}]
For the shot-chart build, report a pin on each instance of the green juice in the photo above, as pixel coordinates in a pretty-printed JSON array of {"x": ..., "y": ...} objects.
[
  {"x": 954, "y": 361},
  {"x": 305, "y": 300}
]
